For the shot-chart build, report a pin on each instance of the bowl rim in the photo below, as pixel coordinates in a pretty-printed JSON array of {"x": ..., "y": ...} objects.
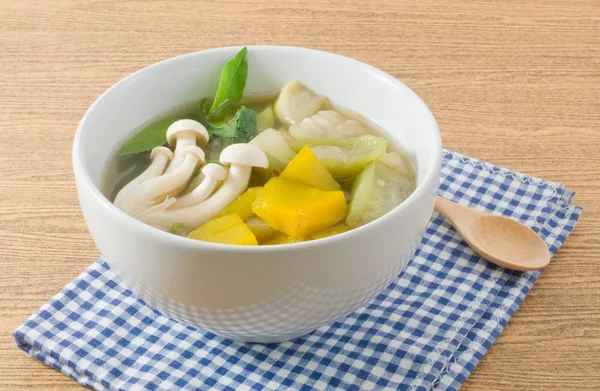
[{"x": 82, "y": 177}]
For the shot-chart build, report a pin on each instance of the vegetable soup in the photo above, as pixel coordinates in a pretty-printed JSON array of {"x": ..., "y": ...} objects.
[{"x": 271, "y": 170}]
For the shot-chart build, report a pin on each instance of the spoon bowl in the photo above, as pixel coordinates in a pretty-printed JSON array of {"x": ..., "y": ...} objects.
[{"x": 498, "y": 239}]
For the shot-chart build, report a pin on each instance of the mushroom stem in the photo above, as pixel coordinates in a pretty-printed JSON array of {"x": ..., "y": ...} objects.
[
  {"x": 161, "y": 156},
  {"x": 169, "y": 184},
  {"x": 155, "y": 190},
  {"x": 213, "y": 174},
  {"x": 182, "y": 134},
  {"x": 184, "y": 139},
  {"x": 199, "y": 194},
  {"x": 194, "y": 216}
]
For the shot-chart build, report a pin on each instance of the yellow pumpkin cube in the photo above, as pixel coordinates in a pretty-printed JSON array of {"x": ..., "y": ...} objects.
[
  {"x": 299, "y": 210},
  {"x": 229, "y": 229},
  {"x": 242, "y": 205},
  {"x": 306, "y": 167},
  {"x": 336, "y": 229}
]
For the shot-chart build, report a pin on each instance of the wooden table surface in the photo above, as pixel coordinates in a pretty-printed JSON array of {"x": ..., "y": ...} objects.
[{"x": 513, "y": 82}]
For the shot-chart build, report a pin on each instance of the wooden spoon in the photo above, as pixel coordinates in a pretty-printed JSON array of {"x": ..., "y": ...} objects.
[{"x": 500, "y": 240}]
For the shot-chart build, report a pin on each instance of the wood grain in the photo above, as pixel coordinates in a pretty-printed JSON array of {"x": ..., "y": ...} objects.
[{"x": 514, "y": 82}]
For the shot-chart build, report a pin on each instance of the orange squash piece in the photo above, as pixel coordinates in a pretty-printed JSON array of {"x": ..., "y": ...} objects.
[
  {"x": 242, "y": 205},
  {"x": 229, "y": 229},
  {"x": 298, "y": 210},
  {"x": 306, "y": 167}
]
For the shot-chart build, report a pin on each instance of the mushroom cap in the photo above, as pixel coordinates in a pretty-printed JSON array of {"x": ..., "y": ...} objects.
[
  {"x": 193, "y": 150},
  {"x": 215, "y": 171},
  {"x": 244, "y": 154},
  {"x": 187, "y": 125},
  {"x": 161, "y": 151}
]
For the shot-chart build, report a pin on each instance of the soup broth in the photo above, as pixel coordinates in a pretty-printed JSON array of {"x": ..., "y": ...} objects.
[{"x": 122, "y": 169}]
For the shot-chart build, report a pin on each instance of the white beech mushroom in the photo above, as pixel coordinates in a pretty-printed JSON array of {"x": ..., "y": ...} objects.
[
  {"x": 213, "y": 174},
  {"x": 161, "y": 156},
  {"x": 181, "y": 134},
  {"x": 241, "y": 157},
  {"x": 161, "y": 188}
]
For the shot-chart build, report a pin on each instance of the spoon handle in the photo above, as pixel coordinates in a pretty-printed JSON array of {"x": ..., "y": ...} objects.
[{"x": 454, "y": 212}]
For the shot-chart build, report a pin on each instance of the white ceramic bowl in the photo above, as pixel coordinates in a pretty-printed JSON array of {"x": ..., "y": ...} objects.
[{"x": 256, "y": 294}]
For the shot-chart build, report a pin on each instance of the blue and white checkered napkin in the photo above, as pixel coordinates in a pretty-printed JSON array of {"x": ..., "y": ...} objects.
[{"x": 426, "y": 331}]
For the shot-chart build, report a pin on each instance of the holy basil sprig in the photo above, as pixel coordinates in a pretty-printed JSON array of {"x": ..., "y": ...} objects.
[
  {"x": 245, "y": 125},
  {"x": 212, "y": 115},
  {"x": 240, "y": 129}
]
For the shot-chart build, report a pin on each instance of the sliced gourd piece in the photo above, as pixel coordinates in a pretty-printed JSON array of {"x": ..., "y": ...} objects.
[
  {"x": 307, "y": 168},
  {"x": 345, "y": 157},
  {"x": 297, "y": 209},
  {"x": 260, "y": 175},
  {"x": 272, "y": 142},
  {"x": 242, "y": 206},
  {"x": 375, "y": 191},
  {"x": 296, "y": 102},
  {"x": 285, "y": 135},
  {"x": 336, "y": 229},
  {"x": 229, "y": 229},
  {"x": 261, "y": 230},
  {"x": 326, "y": 124},
  {"x": 399, "y": 163},
  {"x": 266, "y": 118},
  {"x": 281, "y": 239}
]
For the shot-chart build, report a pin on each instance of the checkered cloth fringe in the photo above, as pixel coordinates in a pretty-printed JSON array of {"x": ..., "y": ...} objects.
[{"x": 426, "y": 331}]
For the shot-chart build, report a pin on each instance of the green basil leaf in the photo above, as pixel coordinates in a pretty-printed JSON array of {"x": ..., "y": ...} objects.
[
  {"x": 246, "y": 127},
  {"x": 240, "y": 129},
  {"x": 215, "y": 131},
  {"x": 202, "y": 111},
  {"x": 231, "y": 86},
  {"x": 224, "y": 131},
  {"x": 150, "y": 137}
]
